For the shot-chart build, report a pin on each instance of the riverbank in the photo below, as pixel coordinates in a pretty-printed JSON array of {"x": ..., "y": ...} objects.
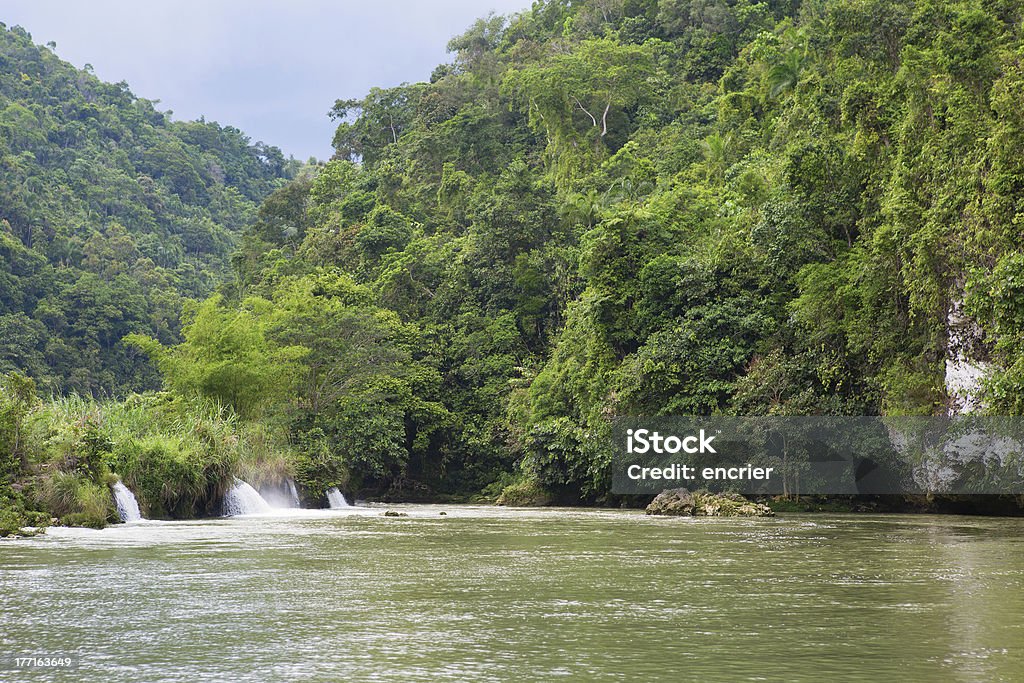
[{"x": 1005, "y": 507}]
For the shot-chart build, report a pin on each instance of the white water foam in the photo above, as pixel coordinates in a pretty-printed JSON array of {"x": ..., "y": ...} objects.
[
  {"x": 127, "y": 506},
  {"x": 243, "y": 499},
  {"x": 281, "y": 495},
  {"x": 336, "y": 499}
]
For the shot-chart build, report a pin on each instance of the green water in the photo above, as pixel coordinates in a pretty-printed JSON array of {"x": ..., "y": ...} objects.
[{"x": 511, "y": 595}]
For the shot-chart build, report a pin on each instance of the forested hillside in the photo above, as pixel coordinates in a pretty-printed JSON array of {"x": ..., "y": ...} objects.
[
  {"x": 627, "y": 207},
  {"x": 110, "y": 216},
  {"x": 624, "y": 207}
]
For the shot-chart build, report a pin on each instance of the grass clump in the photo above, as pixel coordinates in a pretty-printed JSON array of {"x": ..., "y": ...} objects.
[
  {"x": 76, "y": 500},
  {"x": 177, "y": 456}
]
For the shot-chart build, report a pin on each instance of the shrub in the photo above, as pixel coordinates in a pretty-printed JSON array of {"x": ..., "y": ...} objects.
[
  {"x": 524, "y": 493},
  {"x": 165, "y": 480}
]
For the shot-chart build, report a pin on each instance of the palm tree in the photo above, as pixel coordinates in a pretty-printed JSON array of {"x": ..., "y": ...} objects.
[
  {"x": 785, "y": 74},
  {"x": 583, "y": 209},
  {"x": 716, "y": 151}
]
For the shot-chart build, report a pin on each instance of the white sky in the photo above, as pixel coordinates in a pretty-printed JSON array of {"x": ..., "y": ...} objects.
[{"x": 272, "y": 68}]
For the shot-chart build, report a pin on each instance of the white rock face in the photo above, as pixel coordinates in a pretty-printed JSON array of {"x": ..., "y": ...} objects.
[
  {"x": 964, "y": 374},
  {"x": 936, "y": 467}
]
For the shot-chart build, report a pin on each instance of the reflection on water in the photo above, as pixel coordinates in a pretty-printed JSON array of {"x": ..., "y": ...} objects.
[{"x": 496, "y": 594}]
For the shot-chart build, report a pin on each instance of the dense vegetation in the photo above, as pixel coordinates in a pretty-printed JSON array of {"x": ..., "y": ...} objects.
[
  {"x": 110, "y": 216},
  {"x": 619, "y": 207}
]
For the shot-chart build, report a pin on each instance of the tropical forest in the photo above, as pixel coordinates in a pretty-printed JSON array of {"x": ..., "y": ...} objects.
[{"x": 594, "y": 209}]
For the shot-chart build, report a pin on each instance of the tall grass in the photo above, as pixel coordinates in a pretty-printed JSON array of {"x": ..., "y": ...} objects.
[
  {"x": 178, "y": 457},
  {"x": 76, "y": 500}
]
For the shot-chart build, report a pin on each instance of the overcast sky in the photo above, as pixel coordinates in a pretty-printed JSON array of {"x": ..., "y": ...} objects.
[{"x": 270, "y": 67}]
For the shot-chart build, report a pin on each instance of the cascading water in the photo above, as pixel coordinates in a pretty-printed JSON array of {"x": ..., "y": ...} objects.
[
  {"x": 243, "y": 499},
  {"x": 281, "y": 494},
  {"x": 336, "y": 499},
  {"x": 127, "y": 506}
]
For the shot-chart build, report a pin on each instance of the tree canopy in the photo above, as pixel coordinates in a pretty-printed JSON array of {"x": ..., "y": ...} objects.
[{"x": 598, "y": 208}]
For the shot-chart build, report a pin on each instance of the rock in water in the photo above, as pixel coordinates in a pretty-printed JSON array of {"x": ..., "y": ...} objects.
[
  {"x": 672, "y": 502},
  {"x": 728, "y": 505},
  {"x": 680, "y": 502}
]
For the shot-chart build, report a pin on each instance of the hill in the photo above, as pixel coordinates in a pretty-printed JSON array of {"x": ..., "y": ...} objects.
[
  {"x": 640, "y": 207},
  {"x": 111, "y": 215},
  {"x": 597, "y": 209}
]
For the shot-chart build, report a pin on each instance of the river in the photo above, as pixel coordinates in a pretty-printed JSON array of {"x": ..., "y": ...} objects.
[{"x": 493, "y": 594}]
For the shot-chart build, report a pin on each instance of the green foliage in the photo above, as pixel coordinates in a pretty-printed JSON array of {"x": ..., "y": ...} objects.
[
  {"x": 17, "y": 398},
  {"x": 581, "y": 99},
  {"x": 178, "y": 456},
  {"x": 76, "y": 500},
  {"x": 227, "y": 357},
  {"x": 18, "y": 512},
  {"x": 167, "y": 476},
  {"x": 599, "y": 208},
  {"x": 111, "y": 215}
]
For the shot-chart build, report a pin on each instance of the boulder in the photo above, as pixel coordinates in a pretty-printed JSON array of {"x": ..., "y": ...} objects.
[
  {"x": 522, "y": 494},
  {"x": 672, "y": 502},
  {"x": 706, "y": 504},
  {"x": 728, "y": 505}
]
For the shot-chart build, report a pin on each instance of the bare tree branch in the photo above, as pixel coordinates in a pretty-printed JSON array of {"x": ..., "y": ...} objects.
[{"x": 584, "y": 110}]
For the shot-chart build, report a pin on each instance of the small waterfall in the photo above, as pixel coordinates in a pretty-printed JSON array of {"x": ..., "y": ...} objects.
[
  {"x": 127, "y": 506},
  {"x": 243, "y": 499},
  {"x": 336, "y": 500},
  {"x": 281, "y": 494}
]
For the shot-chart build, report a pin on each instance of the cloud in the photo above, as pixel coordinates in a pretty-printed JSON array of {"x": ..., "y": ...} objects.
[{"x": 269, "y": 67}]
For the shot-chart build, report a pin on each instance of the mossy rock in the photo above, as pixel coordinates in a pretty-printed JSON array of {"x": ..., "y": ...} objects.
[
  {"x": 708, "y": 504},
  {"x": 680, "y": 502},
  {"x": 673, "y": 502},
  {"x": 528, "y": 493},
  {"x": 84, "y": 519}
]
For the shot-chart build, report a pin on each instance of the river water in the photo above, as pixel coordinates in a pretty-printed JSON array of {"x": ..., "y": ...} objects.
[{"x": 493, "y": 594}]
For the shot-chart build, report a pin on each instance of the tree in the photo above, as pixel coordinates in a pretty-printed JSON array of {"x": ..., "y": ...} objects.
[
  {"x": 586, "y": 88},
  {"x": 17, "y": 398},
  {"x": 380, "y": 118},
  {"x": 226, "y": 356}
]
